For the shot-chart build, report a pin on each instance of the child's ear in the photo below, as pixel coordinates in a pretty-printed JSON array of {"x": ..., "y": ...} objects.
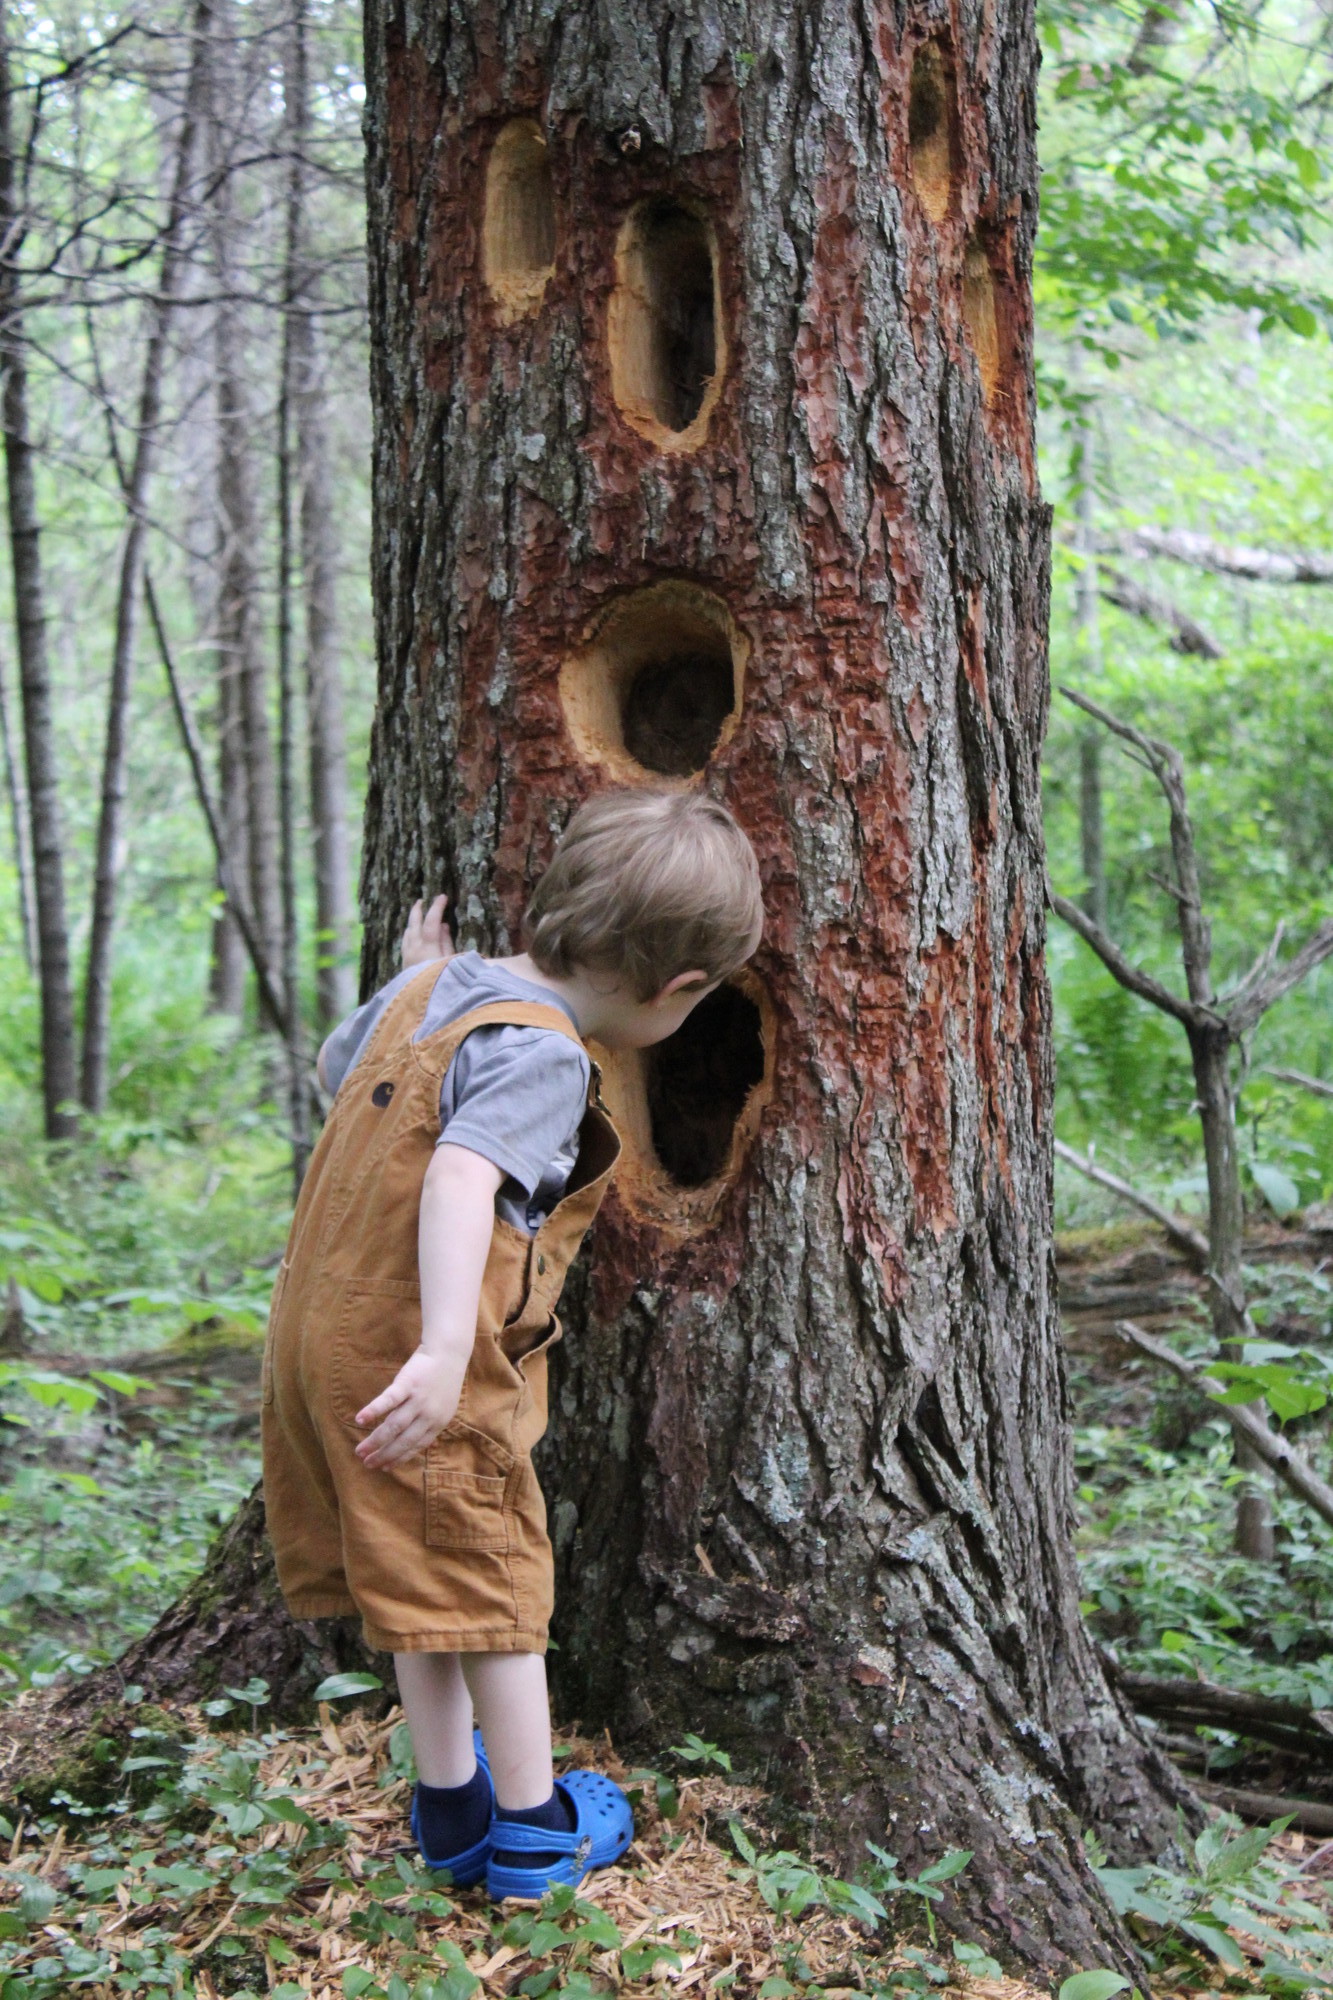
[{"x": 685, "y": 982}]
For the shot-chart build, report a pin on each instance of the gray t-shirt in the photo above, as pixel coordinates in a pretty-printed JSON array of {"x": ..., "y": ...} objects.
[{"x": 514, "y": 1095}]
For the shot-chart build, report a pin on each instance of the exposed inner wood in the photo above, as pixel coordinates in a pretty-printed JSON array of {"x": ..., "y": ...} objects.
[
  {"x": 518, "y": 234},
  {"x": 980, "y": 316},
  {"x": 659, "y": 688},
  {"x": 931, "y": 130},
  {"x": 667, "y": 353}
]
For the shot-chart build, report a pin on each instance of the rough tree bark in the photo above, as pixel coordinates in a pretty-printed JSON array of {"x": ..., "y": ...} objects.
[
  {"x": 39, "y": 744},
  {"x": 702, "y": 372}
]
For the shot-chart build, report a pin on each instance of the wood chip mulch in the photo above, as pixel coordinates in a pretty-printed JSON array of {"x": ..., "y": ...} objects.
[{"x": 681, "y": 1883}]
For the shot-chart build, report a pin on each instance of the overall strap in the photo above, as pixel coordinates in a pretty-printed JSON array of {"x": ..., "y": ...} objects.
[
  {"x": 438, "y": 1049},
  {"x": 405, "y": 1012}
]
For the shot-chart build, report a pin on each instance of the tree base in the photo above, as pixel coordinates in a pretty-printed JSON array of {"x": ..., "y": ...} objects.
[{"x": 230, "y": 1627}]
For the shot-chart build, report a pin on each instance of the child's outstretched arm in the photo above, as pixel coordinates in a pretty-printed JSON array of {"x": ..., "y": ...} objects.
[{"x": 457, "y": 1221}]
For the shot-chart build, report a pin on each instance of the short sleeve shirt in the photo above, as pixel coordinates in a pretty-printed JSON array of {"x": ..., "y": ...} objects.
[{"x": 514, "y": 1095}]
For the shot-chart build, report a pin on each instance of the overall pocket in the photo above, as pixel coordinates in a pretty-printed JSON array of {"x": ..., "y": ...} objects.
[
  {"x": 378, "y": 1328},
  {"x": 470, "y": 1485}
]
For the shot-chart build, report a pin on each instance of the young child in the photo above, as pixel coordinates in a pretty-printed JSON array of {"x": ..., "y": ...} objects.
[{"x": 405, "y": 1376}]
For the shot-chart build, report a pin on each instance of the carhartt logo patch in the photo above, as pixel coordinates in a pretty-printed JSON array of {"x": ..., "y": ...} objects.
[{"x": 381, "y": 1094}]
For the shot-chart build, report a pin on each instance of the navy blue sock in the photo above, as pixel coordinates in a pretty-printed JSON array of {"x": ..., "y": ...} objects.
[
  {"x": 556, "y": 1813},
  {"x": 454, "y": 1817}
]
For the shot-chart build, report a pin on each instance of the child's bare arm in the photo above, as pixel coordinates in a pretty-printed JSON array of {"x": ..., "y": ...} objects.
[{"x": 457, "y": 1221}]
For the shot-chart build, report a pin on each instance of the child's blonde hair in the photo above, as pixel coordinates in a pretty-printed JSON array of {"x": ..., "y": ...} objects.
[{"x": 645, "y": 885}]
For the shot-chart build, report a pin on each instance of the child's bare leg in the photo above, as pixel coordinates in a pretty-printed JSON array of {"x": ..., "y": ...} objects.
[
  {"x": 509, "y": 1690},
  {"x": 438, "y": 1708}
]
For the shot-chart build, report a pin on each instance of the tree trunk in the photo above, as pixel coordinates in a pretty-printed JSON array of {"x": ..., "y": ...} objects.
[
  {"x": 1088, "y": 652},
  {"x": 705, "y": 448},
  {"x": 19, "y": 825},
  {"x": 336, "y": 979},
  {"x": 335, "y": 985},
  {"x": 106, "y": 868},
  {"x": 41, "y": 756},
  {"x": 246, "y": 754}
]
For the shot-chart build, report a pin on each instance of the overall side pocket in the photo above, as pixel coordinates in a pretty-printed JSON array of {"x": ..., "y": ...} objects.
[
  {"x": 470, "y": 1490},
  {"x": 266, "y": 1372}
]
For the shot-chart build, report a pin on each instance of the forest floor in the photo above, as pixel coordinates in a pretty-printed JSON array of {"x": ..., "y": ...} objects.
[{"x": 244, "y": 1860}]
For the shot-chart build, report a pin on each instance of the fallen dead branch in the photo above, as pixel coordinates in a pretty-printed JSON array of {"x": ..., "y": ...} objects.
[
  {"x": 1188, "y": 1241},
  {"x": 1265, "y": 1806},
  {"x": 1285, "y": 1725},
  {"x": 1270, "y": 1446}
]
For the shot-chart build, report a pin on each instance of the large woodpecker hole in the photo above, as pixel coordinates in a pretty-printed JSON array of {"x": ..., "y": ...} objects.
[
  {"x": 697, "y": 1083},
  {"x": 931, "y": 130},
  {"x": 518, "y": 233},
  {"x": 665, "y": 335},
  {"x": 659, "y": 687}
]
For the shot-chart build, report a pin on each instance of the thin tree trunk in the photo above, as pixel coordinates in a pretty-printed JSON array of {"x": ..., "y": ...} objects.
[
  {"x": 226, "y": 980},
  {"x": 39, "y": 745},
  {"x": 1088, "y": 653},
  {"x": 19, "y": 827},
  {"x": 248, "y": 748},
  {"x": 106, "y": 869},
  {"x": 294, "y": 83},
  {"x": 817, "y": 1333},
  {"x": 326, "y": 736}
]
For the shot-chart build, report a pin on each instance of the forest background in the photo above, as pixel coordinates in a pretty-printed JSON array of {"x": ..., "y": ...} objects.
[{"x": 183, "y": 284}]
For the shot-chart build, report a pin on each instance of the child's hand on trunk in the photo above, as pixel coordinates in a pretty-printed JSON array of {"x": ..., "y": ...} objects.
[
  {"x": 421, "y": 1399},
  {"x": 427, "y": 935}
]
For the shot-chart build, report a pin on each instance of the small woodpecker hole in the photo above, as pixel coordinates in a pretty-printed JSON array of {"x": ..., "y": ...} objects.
[
  {"x": 659, "y": 687},
  {"x": 980, "y": 316},
  {"x": 666, "y": 360},
  {"x": 518, "y": 232},
  {"x": 697, "y": 1083},
  {"x": 931, "y": 134}
]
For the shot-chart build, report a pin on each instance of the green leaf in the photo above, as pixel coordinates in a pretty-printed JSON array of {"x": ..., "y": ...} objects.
[
  {"x": 743, "y": 1844},
  {"x": 953, "y": 1863},
  {"x": 1278, "y": 1189},
  {"x": 36, "y": 1900},
  {"x": 356, "y": 1981},
  {"x": 339, "y": 1686},
  {"x": 1098, "y": 1985}
]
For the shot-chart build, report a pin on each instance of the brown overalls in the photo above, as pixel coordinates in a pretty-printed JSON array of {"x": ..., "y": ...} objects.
[{"x": 446, "y": 1551}]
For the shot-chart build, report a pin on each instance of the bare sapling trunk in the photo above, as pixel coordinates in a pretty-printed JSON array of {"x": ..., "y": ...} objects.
[
  {"x": 1215, "y": 1029},
  {"x": 307, "y": 392},
  {"x": 41, "y": 755},
  {"x": 1088, "y": 653},
  {"x": 325, "y": 730},
  {"x": 704, "y": 454},
  {"x": 295, "y": 90},
  {"x": 19, "y": 825},
  {"x": 247, "y": 766},
  {"x": 147, "y": 420}
]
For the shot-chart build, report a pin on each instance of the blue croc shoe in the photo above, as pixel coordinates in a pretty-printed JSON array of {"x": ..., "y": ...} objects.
[
  {"x": 603, "y": 1829},
  {"x": 464, "y": 1870}
]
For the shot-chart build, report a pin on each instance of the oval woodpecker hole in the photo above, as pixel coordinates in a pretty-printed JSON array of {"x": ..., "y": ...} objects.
[
  {"x": 659, "y": 687},
  {"x": 689, "y": 1109},
  {"x": 665, "y": 327},
  {"x": 518, "y": 232},
  {"x": 697, "y": 1083},
  {"x": 931, "y": 130}
]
